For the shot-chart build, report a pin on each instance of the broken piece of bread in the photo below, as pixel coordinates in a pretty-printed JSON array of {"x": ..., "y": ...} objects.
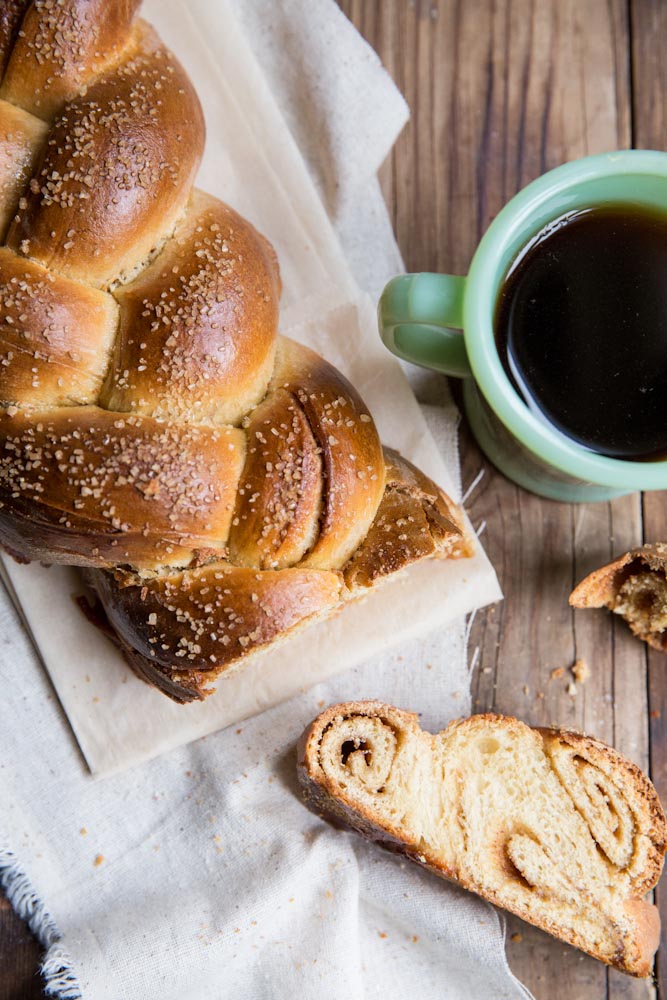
[
  {"x": 552, "y": 825},
  {"x": 634, "y": 586}
]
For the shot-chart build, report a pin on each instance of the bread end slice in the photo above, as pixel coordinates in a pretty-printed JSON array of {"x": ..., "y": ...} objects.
[
  {"x": 552, "y": 825},
  {"x": 633, "y": 586}
]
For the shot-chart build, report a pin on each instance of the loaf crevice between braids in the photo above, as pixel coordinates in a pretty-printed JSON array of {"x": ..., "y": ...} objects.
[{"x": 221, "y": 484}]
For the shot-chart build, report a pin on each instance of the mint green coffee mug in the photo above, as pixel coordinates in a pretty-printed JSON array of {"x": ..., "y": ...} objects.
[{"x": 446, "y": 322}]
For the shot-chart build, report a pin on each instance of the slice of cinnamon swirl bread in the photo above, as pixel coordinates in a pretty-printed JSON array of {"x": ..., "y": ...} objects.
[{"x": 552, "y": 825}]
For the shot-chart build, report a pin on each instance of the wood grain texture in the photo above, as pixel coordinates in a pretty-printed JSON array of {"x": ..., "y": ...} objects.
[
  {"x": 648, "y": 26},
  {"x": 501, "y": 90}
]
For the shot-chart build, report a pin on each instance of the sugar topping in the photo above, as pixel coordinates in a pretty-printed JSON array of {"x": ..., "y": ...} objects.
[{"x": 190, "y": 444}]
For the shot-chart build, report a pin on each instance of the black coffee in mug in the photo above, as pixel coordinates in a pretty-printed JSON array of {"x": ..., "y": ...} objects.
[{"x": 581, "y": 328}]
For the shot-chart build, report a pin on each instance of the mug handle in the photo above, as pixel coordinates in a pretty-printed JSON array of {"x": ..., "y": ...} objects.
[{"x": 421, "y": 318}]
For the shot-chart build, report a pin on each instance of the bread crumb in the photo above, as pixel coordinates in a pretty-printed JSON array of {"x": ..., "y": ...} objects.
[
  {"x": 656, "y": 714},
  {"x": 572, "y": 689},
  {"x": 83, "y": 831},
  {"x": 557, "y": 673},
  {"x": 415, "y": 938},
  {"x": 526, "y": 689},
  {"x": 516, "y": 938},
  {"x": 382, "y": 934},
  {"x": 580, "y": 671},
  {"x": 99, "y": 859}
]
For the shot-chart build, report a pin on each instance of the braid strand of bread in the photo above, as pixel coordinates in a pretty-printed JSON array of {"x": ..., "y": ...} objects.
[{"x": 221, "y": 484}]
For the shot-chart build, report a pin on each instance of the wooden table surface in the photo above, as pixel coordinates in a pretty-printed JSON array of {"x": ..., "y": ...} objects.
[{"x": 500, "y": 91}]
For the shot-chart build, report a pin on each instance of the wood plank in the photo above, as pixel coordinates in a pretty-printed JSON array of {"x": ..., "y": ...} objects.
[
  {"x": 499, "y": 93},
  {"x": 649, "y": 30},
  {"x": 649, "y": 73}
]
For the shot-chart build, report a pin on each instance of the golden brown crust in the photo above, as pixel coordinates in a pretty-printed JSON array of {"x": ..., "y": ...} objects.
[
  {"x": 632, "y": 945},
  {"x": 151, "y": 419},
  {"x": 116, "y": 170},
  {"x": 283, "y": 540},
  {"x": 21, "y": 139},
  {"x": 198, "y": 326},
  {"x": 350, "y": 447},
  {"x": 602, "y": 587},
  {"x": 60, "y": 47},
  {"x": 56, "y": 336},
  {"x": 279, "y": 502},
  {"x": 638, "y": 956},
  {"x": 181, "y": 686},
  {"x": 191, "y": 626},
  {"x": 88, "y": 487},
  {"x": 444, "y": 516},
  {"x": 415, "y": 520},
  {"x": 11, "y": 15}
]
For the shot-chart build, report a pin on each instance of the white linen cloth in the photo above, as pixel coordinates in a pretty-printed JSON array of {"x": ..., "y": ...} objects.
[{"x": 200, "y": 875}]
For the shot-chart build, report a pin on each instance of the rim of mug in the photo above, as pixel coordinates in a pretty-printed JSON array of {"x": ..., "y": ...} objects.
[{"x": 550, "y": 445}]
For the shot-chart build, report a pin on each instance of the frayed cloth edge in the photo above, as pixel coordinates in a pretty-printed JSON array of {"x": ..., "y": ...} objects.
[{"x": 60, "y": 980}]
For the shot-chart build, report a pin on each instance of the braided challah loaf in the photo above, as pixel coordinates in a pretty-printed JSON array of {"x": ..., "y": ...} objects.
[
  {"x": 222, "y": 484},
  {"x": 554, "y": 826}
]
